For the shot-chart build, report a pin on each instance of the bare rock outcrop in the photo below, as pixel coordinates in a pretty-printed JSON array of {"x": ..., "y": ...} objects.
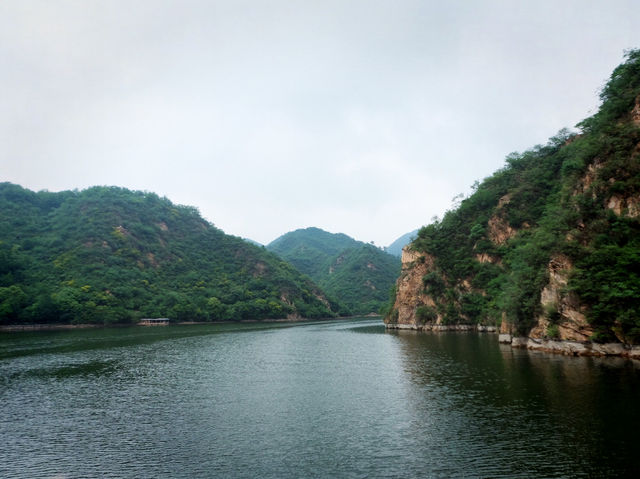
[
  {"x": 624, "y": 206},
  {"x": 563, "y": 316},
  {"x": 487, "y": 258},
  {"x": 635, "y": 113},
  {"x": 409, "y": 288},
  {"x": 499, "y": 230}
]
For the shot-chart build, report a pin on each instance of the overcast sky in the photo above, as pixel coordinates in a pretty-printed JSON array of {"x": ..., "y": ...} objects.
[{"x": 363, "y": 117}]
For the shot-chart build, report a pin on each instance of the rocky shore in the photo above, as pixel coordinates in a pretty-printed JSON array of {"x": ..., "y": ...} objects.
[
  {"x": 566, "y": 347},
  {"x": 442, "y": 327},
  {"x": 572, "y": 348}
]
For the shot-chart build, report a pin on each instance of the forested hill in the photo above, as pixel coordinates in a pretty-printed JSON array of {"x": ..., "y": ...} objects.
[
  {"x": 548, "y": 246},
  {"x": 308, "y": 249},
  {"x": 357, "y": 274},
  {"x": 110, "y": 255}
]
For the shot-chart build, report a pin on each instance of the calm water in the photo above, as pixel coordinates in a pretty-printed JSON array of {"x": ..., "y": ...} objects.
[{"x": 320, "y": 399}]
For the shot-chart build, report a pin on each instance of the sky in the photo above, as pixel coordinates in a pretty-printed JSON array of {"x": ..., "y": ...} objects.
[{"x": 362, "y": 117}]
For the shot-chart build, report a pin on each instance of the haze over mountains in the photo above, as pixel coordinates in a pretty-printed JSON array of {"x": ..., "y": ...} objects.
[{"x": 395, "y": 248}]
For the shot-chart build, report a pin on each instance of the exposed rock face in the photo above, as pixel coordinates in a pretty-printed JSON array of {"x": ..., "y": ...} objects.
[
  {"x": 498, "y": 229},
  {"x": 569, "y": 332},
  {"x": 409, "y": 288},
  {"x": 410, "y": 295},
  {"x": 576, "y": 348},
  {"x": 409, "y": 256},
  {"x": 562, "y": 327},
  {"x": 635, "y": 113},
  {"x": 439, "y": 328},
  {"x": 622, "y": 206},
  {"x": 570, "y": 323},
  {"x": 553, "y": 206},
  {"x": 285, "y": 299},
  {"x": 487, "y": 258},
  {"x": 590, "y": 176}
]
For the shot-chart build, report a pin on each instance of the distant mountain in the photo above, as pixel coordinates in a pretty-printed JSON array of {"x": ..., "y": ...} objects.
[
  {"x": 395, "y": 248},
  {"x": 110, "y": 255},
  {"x": 308, "y": 249},
  {"x": 357, "y": 274}
]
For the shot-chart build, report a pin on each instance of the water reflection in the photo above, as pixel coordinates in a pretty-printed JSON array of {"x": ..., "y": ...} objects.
[
  {"x": 548, "y": 414},
  {"x": 95, "y": 367},
  {"x": 17, "y": 344},
  {"x": 325, "y": 399}
]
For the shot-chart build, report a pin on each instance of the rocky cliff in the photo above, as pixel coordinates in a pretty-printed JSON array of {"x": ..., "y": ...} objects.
[{"x": 547, "y": 249}]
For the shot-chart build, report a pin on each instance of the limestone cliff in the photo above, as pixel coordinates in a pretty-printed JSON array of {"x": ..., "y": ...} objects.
[
  {"x": 415, "y": 307},
  {"x": 547, "y": 250},
  {"x": 409, "y": 291},
  {"x": 563, "y": 316}
]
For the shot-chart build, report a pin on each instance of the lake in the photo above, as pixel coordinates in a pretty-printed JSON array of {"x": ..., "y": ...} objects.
[{"x": 304, "y": 400}]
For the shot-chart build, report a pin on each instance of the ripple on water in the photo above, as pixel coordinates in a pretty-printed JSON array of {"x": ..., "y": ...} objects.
[{"x": 339, "y": 399}]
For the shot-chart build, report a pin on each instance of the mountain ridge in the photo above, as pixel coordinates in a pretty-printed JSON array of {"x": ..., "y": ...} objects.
[{"x": 111, "y": 255}]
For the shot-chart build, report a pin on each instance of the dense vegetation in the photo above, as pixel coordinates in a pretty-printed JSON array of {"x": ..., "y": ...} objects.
[
  {"x": 357, "y": 274},
  {"x": 556, "y": 199},
  {"x": 110, "y": 255}
]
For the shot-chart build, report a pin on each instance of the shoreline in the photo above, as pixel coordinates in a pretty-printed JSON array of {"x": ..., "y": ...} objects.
[
  {"x": 11, "y": 328},
  {"x": 572, "y": 348},
  {"x": 443, "y": 327},
  {"x": 554, "y": 346}
]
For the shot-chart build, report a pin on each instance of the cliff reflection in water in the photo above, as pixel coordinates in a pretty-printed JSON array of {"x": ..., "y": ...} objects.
[{"x": 535, "y": 413}]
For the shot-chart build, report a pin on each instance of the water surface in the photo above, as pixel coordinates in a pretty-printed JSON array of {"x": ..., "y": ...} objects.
[{"x": 318, "y": 399}]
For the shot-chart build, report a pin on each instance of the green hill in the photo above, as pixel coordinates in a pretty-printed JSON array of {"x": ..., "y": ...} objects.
[
  {"x": 357, "y": 274},
  {"x": 110, "y": 255},
  {"x": 308, "y": 249},
  {"x": 548, "y": 246}
]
